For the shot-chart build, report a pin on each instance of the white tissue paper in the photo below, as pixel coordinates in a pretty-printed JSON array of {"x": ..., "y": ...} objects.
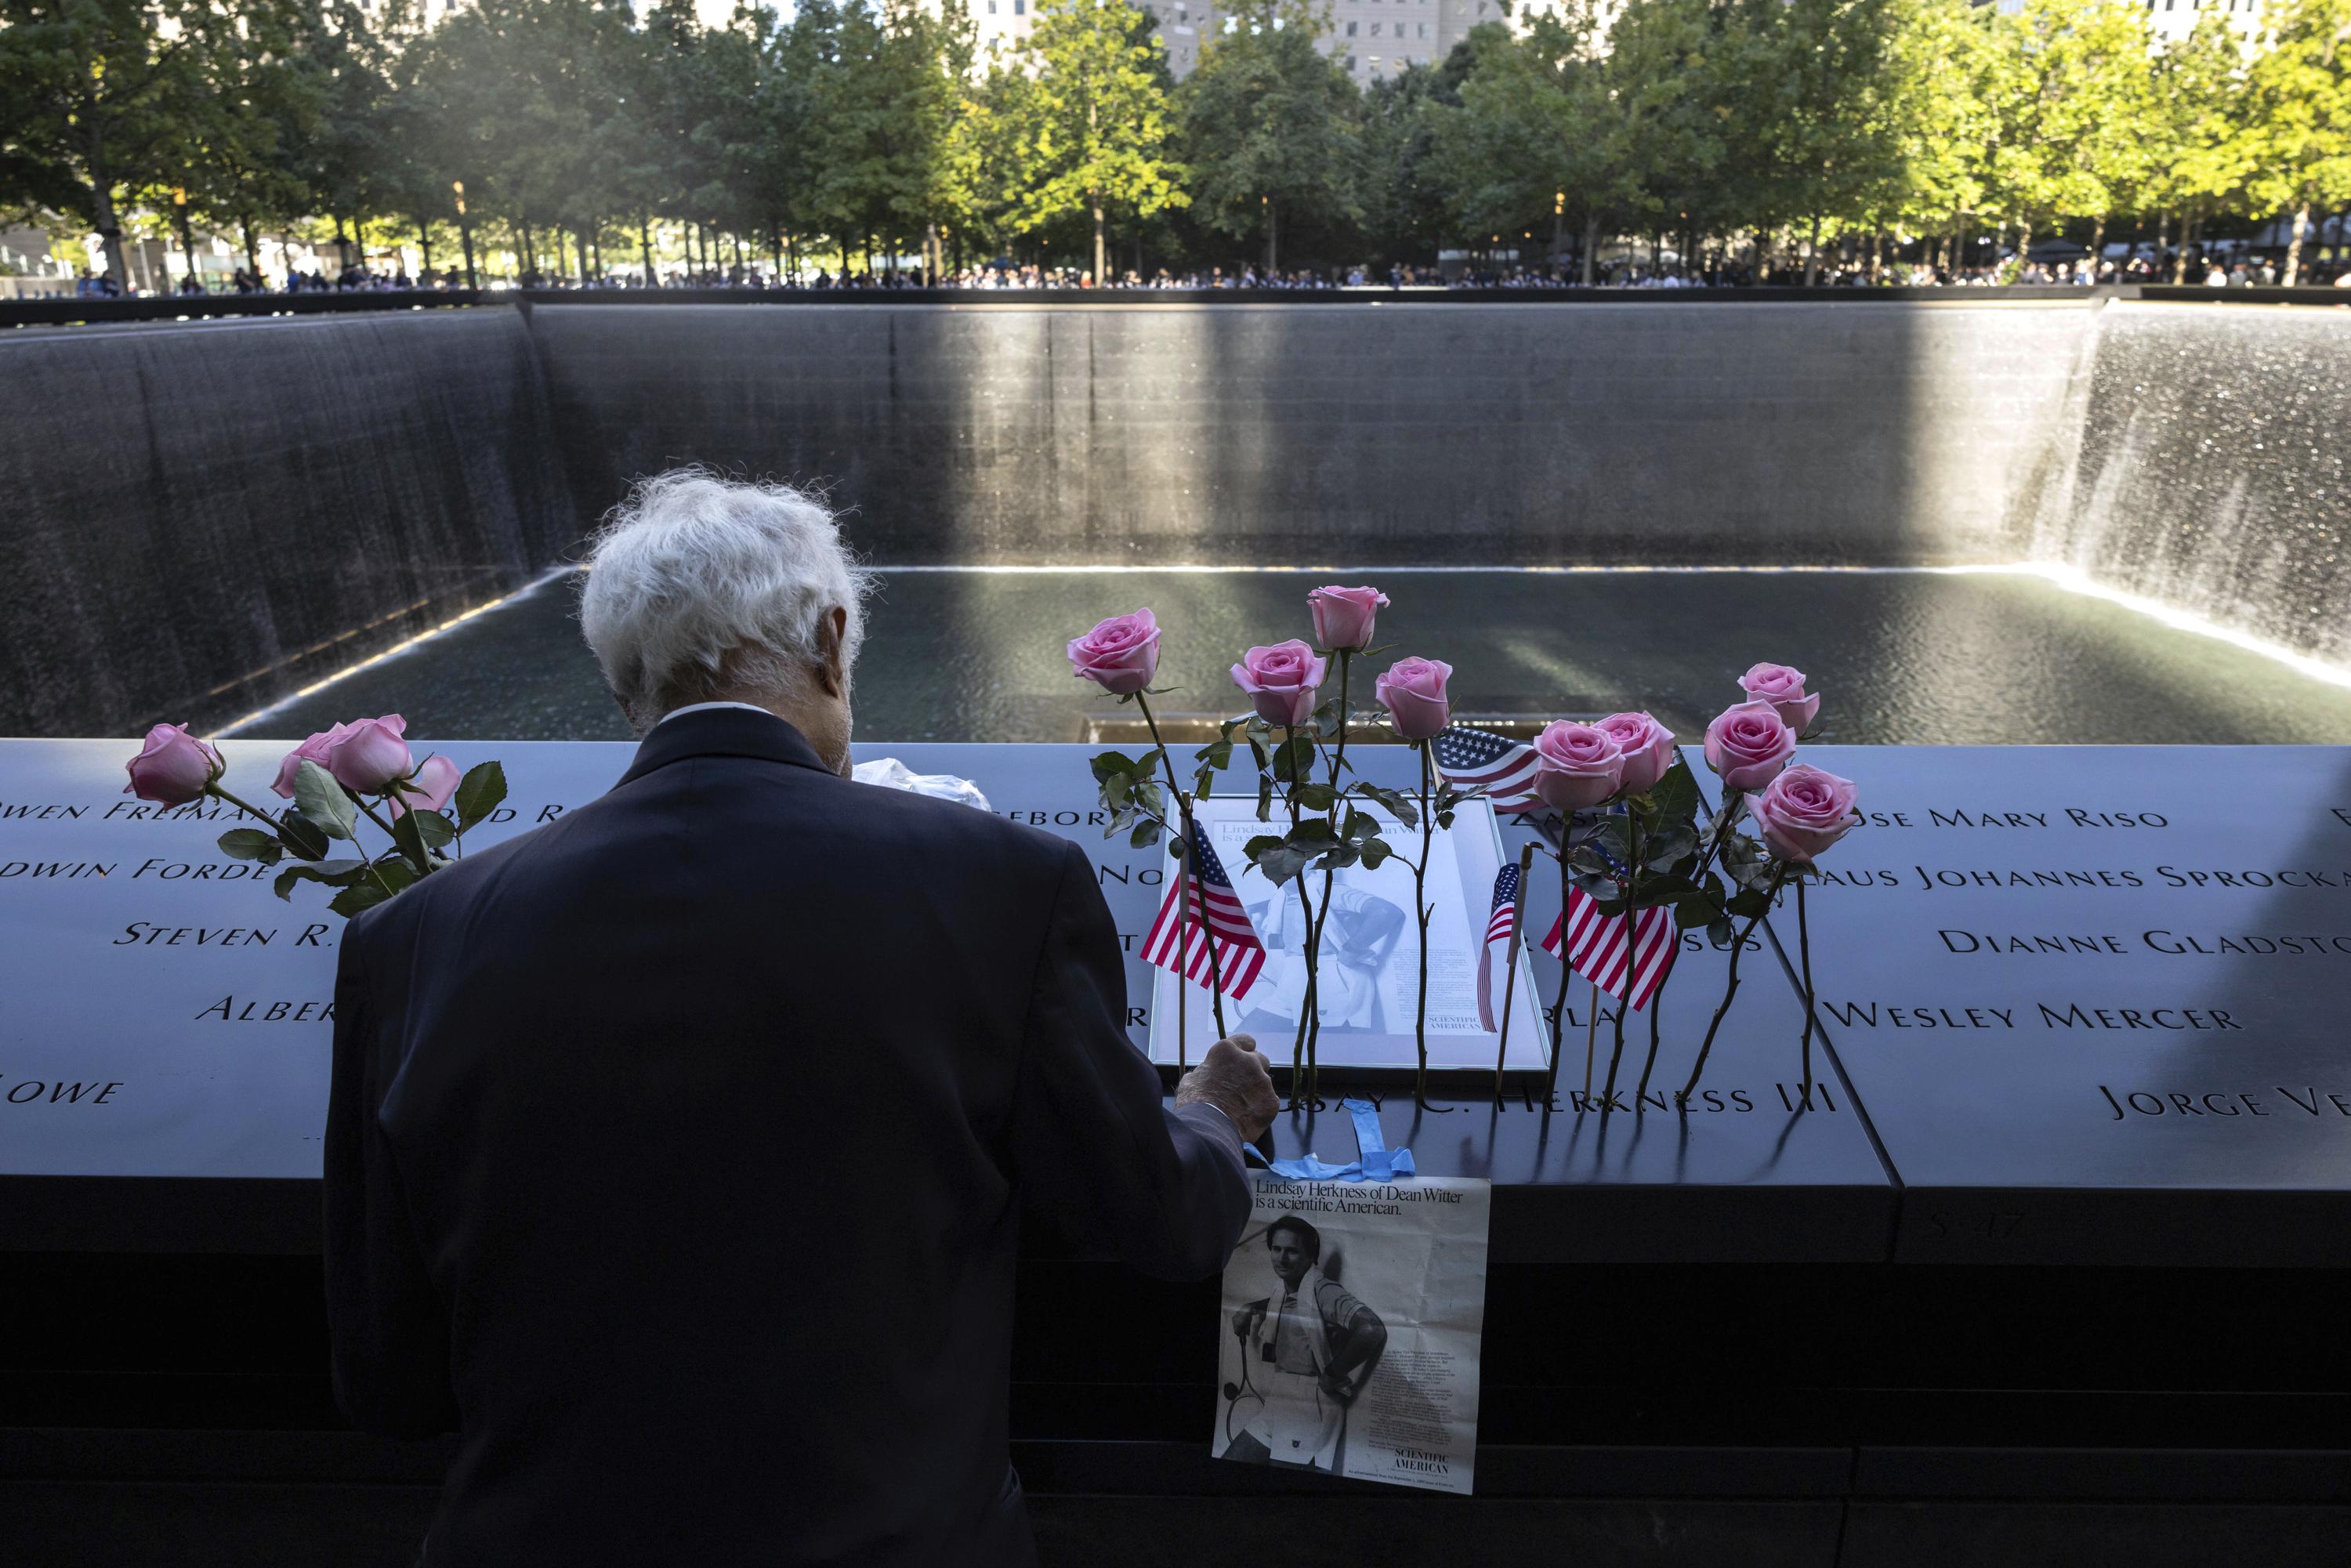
[{"x": 893, "y": 774}]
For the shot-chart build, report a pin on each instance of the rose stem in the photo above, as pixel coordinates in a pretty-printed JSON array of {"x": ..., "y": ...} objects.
[
  {"x": 1805, "y": 959},
  {"x": 1338, "y": 764},
  {"x": 1306, "y": 909},
  {"x": 1656, "y": 1005},
  {"x": 1183, "y": 936},
  {"x": 1420, "y": 908},
  {"x": 1729, "y": 990},
  {"x": 1510, "y": 967},
  {"x": 1632, "y": 954},
  {"x": 1566, "y": 974}
]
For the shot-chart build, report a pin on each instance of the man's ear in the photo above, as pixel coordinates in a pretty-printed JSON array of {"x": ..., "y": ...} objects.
[{"x": 829, "y": 632}]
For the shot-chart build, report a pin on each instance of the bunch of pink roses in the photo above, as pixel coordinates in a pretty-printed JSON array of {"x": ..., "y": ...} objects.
[
  {"x": 1800, "y": 811},
  {"x": 1630, "y": 837},
  {"x": 362, "y": 769},
  {"x": 1298, "y": 738}
]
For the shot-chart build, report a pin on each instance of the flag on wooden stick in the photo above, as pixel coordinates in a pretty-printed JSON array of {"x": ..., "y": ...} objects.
[
  {"x": 1500, "y": 925},
  {"x": 1175, "y": 941}
]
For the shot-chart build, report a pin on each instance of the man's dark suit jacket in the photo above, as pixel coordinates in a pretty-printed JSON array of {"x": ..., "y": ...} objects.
[{"x": 678, "y": 1149}]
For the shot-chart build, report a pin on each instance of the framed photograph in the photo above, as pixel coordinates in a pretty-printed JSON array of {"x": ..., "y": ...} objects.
[{"x": 1369, "y": 973}]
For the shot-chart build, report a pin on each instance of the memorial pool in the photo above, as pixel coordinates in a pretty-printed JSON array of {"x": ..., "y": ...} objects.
[{"x": 1906, "y": 656}]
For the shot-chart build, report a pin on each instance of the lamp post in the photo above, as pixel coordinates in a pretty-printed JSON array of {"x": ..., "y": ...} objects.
[{"x": 464, "y": 234}]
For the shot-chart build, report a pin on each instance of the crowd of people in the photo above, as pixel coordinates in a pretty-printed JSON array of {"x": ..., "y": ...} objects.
[{"x": 2212, "y": 270}]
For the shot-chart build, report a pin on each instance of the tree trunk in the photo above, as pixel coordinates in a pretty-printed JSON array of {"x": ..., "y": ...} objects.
[
  {"x": 1812, "y": 252},
  {"x": 252, "y": 247},
  {"x": 2294, "y": 245},
  {"x": 1102, "y": 253},
  {"x": 425, "y": 244},
  {"x": 109, "y": 234},
  {"x": 1272, "y": 235},
  {"x": 187, "y": 236},
  {"x": 529, "y": 257},
  {"x": 580, "y": 235},
  {"x": 2023, "y": 243},
  {"x": 2162, "y": 233},
  {"x": 645, "y": 243},
  {"x": 2179, "y": 256},
  {"x": 2097, "y": 247}
]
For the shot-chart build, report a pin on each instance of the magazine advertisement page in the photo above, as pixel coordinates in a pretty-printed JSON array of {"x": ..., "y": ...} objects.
[
  {"x": 1351, "y": 1324},
  {"x": 1370, "y": 969}
]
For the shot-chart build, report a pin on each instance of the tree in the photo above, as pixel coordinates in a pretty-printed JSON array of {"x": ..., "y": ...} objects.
[
  {"x": 1093, "y": 132},
  {"x": 1401, "y": 190},
  {"x": 2299, "y": 123},
  {"x": 2196, "y": 142},
  {"x": 1512, "y": 141},
  {"x": 98, "y": 96},
  {"x": 1269, "y": 124},
  {"x": 2067, "y": 88},
  {"x": 1821, "y": 109},
  {"x": 884, "y": 114}
]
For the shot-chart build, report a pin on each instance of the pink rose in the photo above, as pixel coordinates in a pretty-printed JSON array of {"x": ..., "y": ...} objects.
[
  {"x": 1648, "y": 747},
  {"x": 1577, "y": 765},
  {"x": 429, "y": 790},
  {"x": 1120, "y": 654},
  {"x": 1804, "y": 810},
  {"x": 1747, "y": 743},
  {"x": 1282, "y": 680},
  {"x": 311, "y": 751},
  {"x": 368, "y": 755},
  {"x": 173, "y": 768},
  {"x": 1413, "y": 691},
  {"x": 1783, "y": 688},
  {"x": 1342, "y": 616}
]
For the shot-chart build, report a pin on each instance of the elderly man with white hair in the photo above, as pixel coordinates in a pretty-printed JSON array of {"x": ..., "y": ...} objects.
[{"x": 678, "y": 1149}]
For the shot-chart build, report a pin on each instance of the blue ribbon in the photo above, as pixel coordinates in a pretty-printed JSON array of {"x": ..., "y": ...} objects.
[{"x": 1375, "y": 1161}]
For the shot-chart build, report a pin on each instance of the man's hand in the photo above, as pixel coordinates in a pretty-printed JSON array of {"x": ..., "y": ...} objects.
[{"x": 1233, "y": 1078}]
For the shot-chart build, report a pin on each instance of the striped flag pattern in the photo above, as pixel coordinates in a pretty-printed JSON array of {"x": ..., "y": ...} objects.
[
  {"x": 1595, "y": 947},
  {"x": 1239, "y": 953},
  {"x": 1499, "y": 925},
  {"x": 1479, "y": 759}
]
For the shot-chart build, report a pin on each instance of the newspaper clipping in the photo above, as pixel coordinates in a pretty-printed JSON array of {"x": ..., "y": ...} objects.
[{"x": 1352, "y": 1316}]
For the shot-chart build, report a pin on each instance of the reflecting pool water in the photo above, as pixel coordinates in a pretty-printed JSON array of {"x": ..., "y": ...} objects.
[{"x": 1908, "y": 657}]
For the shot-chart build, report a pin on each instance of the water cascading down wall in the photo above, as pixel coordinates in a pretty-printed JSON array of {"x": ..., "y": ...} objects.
[{"x": 203, "y": 517}]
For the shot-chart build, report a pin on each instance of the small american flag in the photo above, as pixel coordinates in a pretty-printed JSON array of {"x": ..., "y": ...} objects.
[
  {"x": 1239, "y": 954},
  {"x": 1503, "y": 768},
  {"x": 1498, "y": 928},
  {"x": 1595, "y": 947}
]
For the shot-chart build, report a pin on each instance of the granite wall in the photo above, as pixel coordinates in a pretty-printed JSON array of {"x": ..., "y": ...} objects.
[
  {"x": 1376, "y": 434},
  {"x": 200, "y": 518}
]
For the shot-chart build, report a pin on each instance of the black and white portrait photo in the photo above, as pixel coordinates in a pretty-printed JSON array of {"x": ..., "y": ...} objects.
[{"x": 1302, "y": 1352}]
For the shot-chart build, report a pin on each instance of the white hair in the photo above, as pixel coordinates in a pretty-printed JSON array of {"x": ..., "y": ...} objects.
[{"x": 691, "y": 567}]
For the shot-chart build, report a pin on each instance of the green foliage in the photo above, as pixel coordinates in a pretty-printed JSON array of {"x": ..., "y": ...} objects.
[
  {"x": 870, "y": 126},
  {"x": 1269, "y": 124},
  {"x": 2299, "y": 113},
  {"x": 322, "y": 802},
  {"x": 481, "y": 791},
  {"x": 1090, "y": 122}
]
